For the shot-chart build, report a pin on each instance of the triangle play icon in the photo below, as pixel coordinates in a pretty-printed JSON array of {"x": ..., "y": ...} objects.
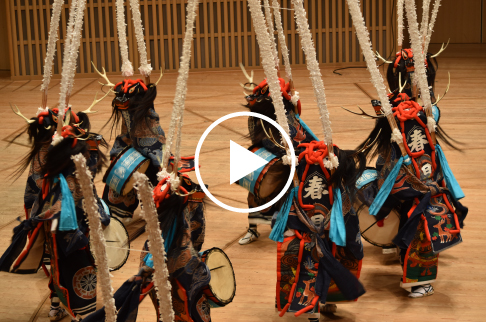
[{"x": 243, "y": 162}]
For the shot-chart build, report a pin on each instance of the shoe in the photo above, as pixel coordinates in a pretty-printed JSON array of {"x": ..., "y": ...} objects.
[
  {"x": 250, "y": 237},
  {"x": 421, "y": 291},
  {"x": 328, "y": 308},
  {"x": 57, "y": 313}
]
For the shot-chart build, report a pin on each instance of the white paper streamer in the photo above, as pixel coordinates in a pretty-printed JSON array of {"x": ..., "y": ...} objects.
[
  {"x": 156, "y": 244},
  {"x": 430, "y": 28},
  {"x": 366, "y": 47},
  {"x": 419, "y": 57},
  {"x": 97, "y": 237},
  {"x": 70, "y": 57},
  {"x": 281, "y": 38},
  {"x": 313, "y": 67},
  {"x": 264, "y": 41},
  {"x": 51, "y": 43},
  {"x": 400, "y": 22},
  {"x": 181, "y": 90},
  {"x": 425, "y": 19},
  {"x": 127, "y": 67},
  {"x": 145, "y": 68},
  {"x": 73, "y": 43},
  {"x": 271, "y": 31},
  {"x": 396, "y": 136}
]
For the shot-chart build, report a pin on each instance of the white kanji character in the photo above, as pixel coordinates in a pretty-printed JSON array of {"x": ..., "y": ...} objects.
[
  {"x": 418, "y": 141},
  {"x": 316, "y": 188}
]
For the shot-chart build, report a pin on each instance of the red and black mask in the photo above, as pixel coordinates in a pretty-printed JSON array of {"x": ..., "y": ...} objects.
[{"x": 126, "y": 90}]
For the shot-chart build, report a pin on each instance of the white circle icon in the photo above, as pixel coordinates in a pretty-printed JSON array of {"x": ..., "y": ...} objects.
[{"x": 222, "y": 204}]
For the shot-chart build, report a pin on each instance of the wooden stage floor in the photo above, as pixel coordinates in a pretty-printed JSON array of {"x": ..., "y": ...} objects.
[{"x": 460, "y": 293}]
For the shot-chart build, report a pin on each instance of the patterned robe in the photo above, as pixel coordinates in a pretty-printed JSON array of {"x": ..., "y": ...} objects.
[{"x": 431, "y": 217}]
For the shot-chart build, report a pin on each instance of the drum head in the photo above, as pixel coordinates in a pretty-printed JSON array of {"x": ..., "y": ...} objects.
[
  {"x": 117, "y": 244},
  {"x": 223, "y": 283},
  {"x": 274, "y": 178},
  {"x": 378, "y": 234}
]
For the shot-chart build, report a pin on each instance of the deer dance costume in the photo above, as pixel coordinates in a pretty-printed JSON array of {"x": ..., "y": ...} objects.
[
  {"x": 140, "y": 128},
  {"x": 311, "y": 267},
  {"x": 58, "y": 221},
  {"x": 182, "y": 222},
  {"x": 425, "y": 193}
]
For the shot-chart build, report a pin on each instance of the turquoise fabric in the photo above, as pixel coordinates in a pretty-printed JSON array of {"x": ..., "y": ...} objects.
[
  {"x": 386, "y": 187},
  {"x": 67, "y": 220},
  {"x": 435, "y": 113},
  {"x": 337, "y": 231},
  {"x": 148, "y": 259},
  {"x": 278, "y": 230},
  {"x": 451, "y": 181},
  {"x": 306, "y": 128}
]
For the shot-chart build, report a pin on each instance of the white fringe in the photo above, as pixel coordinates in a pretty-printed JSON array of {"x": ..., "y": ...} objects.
[
  {"x": 264, "y": 41},
  {"x": 271, "y": 31},
  {"x": 156, "y": 244},
  {"x": 75, "y": 24},
  {"x": 425, "y": 19},
  {"x": 366, "y": 47},
  {"x": 51, "y": 43},
  {"x": 313, "y": 67},
  {"x": 295, "y": 98},
  {"x": 331, "y": 161},
  {"x": 40, "y": 110},
  {"x": 145, "y": 68},
  {"x": 281, "y": 38},
  {"x": 419, "y": 57},
  {"x": 181, "y": 90},
  {"x": 127, "y": 67},
  {"x": 56, "y": 139},
  {"x": 396, "y": 136},
  {"x": 400, "y": 21},
  {"x": 97, "y": 237},
  {"x": 431, "y": 125},
  {"x": 430, "y": 28}
]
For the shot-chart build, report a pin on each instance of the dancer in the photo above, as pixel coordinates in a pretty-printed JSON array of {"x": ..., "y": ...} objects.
[
  {"x": 133, "y": 107},
  {"x": 182, "y": 222},
  {"x": 413, "y": 173}
]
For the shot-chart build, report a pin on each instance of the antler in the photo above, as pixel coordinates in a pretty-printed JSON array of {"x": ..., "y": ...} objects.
[
  {"x": 400, "y": 87},
  {"x": 250, "y": 79},
  {"x": 95, "y": 101},
  {"x": 20, "y": 114},
  {"x": 109, "y": 83},
  {"x": 383, "y": 59},
  {"x": 367, "y": 145},
  {"x": 363, "y": 113},
  {"x": 447, "y": 89},
  {"x": 160, "y": 77},
  {"x": 270, "y": 136},
  {"x": 442, "y": 48}
]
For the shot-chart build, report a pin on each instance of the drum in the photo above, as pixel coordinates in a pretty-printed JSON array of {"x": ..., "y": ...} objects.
[
  {"x": 268, "y": 180},
  {"x": 119, "y": 174},
  {"x": 378, "y": 233},
  {"x": 117, "y": 244},
  {"x": 222, "y": 287}
]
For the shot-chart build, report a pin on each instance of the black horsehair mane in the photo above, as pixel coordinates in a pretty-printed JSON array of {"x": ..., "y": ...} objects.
[{"x": 351, "y": 162}]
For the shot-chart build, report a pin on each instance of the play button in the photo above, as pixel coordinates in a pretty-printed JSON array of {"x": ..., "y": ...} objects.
[{"x": 243, "y": 162}]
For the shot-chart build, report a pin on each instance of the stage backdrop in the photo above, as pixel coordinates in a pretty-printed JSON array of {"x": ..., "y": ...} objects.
[{"x": 223, "y": 37}]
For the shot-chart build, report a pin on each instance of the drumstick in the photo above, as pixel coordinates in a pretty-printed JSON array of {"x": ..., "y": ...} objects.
[{"x": 212, "y": 269}]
